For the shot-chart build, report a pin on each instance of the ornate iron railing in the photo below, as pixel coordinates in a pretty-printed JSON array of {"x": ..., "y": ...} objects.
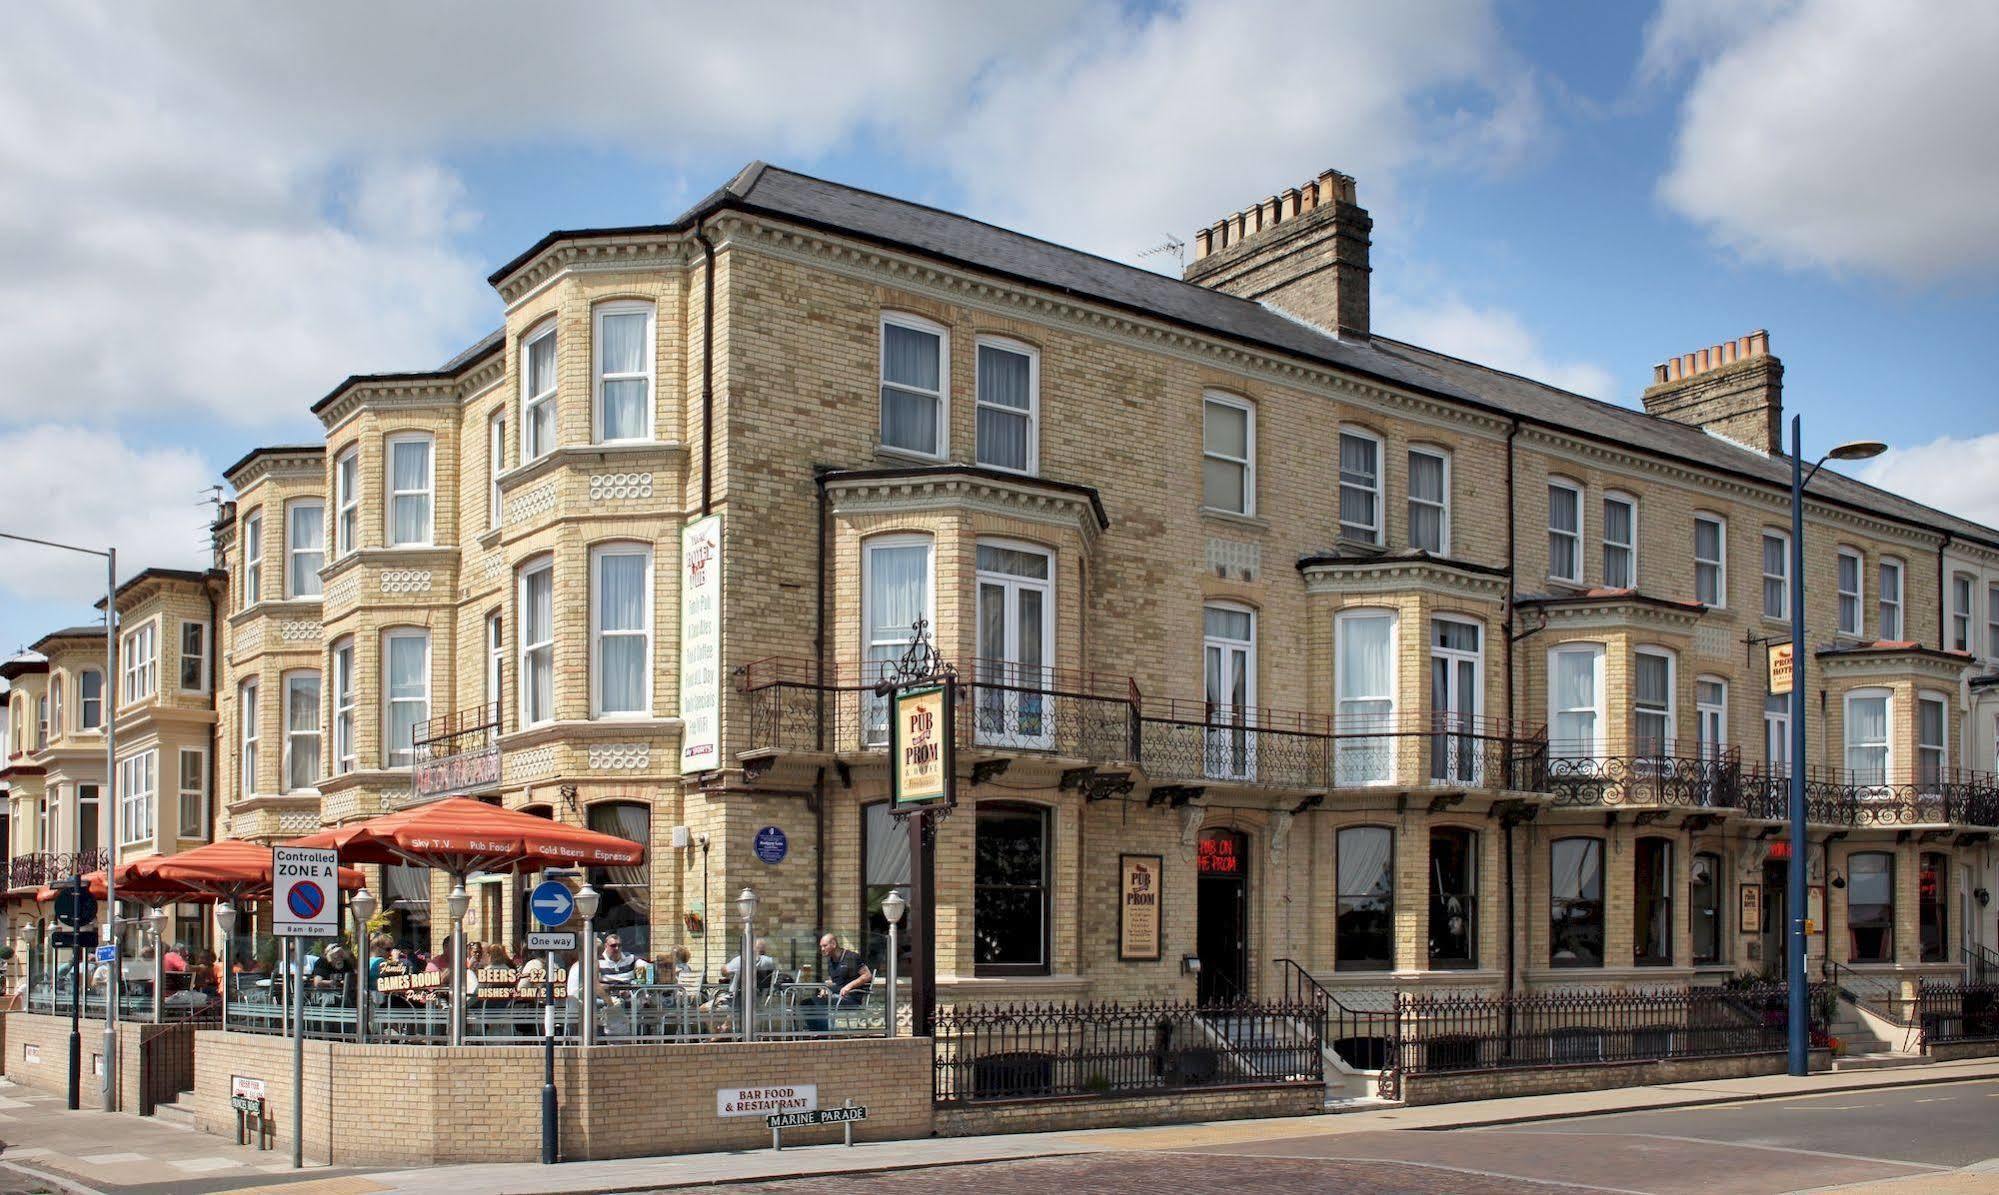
[
  {"x": 1571, "y": 1028},
  {"x": 1365, "y": 1039},
  {"x": 1981, "y": 965},
  {"x": 1040, "y": 1051},
  {"x": 52, "y": 867},
  {"x": 1680, "y": 776},
  {"x": 1957, "y": 1012},
  {"x": 1836, "y": 797},
  {"x": 1881, "y": 995},
  {"x": 457, "y": 732}
]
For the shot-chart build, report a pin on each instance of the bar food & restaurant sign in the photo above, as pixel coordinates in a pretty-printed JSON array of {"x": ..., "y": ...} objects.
[
  {"x": 1138, "y": 908},
  {"x": 920, "y": 746},
  {"x": 766, "y": 1101}
]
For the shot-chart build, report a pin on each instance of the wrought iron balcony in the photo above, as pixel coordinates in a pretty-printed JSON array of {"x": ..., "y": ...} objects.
[
  {"x": 1670, "y": 775},
  {"x": 49, "y": 868},
  {"x": 1837, "y": 797},
  {"x": 456, "y": 732},
  {"x": 1006, "y": 707}
]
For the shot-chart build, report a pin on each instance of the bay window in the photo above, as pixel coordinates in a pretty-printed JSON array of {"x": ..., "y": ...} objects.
[
  {"x": 1932, "y": 737},
  {"x": 409, "y": 490},
  {"x": 1453, "y": 897},
  {"x": 1870, "y": 906},
  {"x": 1711, "y": 716},
  {"x": 347, "y": 502},
  {"x": 1010, "y": 909},
  {"x": 496, "y": 464},
  {"x": 1565, "y": 530},
  {"x": 895, "y": 582},
  {"x": 496, "y": 663},
  {"x": 305, "y": 547},
  {"x": 192, "y": 804},
  {"x": 1652, "y": 714},
  {"x": 1710, "y": 560},
  {"x": 1889, "y": 599},
  {"x": 249, "y": 734},
  {"x": 1620, "y": 541},
  {"x": 1228, "y": 454},
  {"x": 1430, "y": 500},
  {"x": 1016, "y": 644},
  {"x": 538, "y": 393},
  {"x": 1575, "y": 902},
  {"x": 1364, "y": 919},
  {"x": 1575, "y": 700},
  {"x": 194, "y": 657},
  {"x": 301, "y": 746},
  {"x": 1652, "y": 875},
  {"x": 90, "y": 699},
  {"x": 536, "y": 623},
  {"x": 1992, "y": 620},
  {"x": 624, "y": 381},
  {"x": 345, "y": 752},
  {"x": 621, "y": 630},
  {"x": 253, "y": 558},
  {"x": 405, "y": 693},
  {"x": 915, "y": 372},
  {"x": 139, "y": 648},
  {"x": 1364, "y": 680},
  {"x": 1867, "y": 753},
  {"x": 1228, "y": 664},
  {"x": 138, "y": 793},
  {"x": 1360, "y": 486},
  {"x": 1960, "y": 612},
  {"x": 1848, "y": 586},
  {"x": 1776, "y": 575},
  {"x": 1456, "y": 700},
  {"x": 1009, "y": 406}
]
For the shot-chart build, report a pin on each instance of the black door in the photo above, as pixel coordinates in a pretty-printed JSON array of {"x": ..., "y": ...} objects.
[
  {"x": 1776, "y": 917},
  {"x": 1222, "y": 932}
]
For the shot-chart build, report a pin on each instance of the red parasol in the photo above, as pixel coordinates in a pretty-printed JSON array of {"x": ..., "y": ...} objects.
[
  {"x": 230, "y": 869},
  {"x": 461, "y": 835}
]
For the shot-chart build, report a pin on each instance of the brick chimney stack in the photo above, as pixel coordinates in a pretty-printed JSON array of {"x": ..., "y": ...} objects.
[
  {"x": 1735, "y": 388},
  {"x": 1303, "y": 250}
]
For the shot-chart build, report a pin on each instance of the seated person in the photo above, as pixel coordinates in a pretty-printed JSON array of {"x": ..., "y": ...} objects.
[
  {"x": 848, "y": 980},
  {"x": 614, "y": 966},
  {"x": 332, "y": 976}
]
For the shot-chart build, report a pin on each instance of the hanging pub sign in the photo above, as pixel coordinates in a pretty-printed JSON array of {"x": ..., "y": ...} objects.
[
  {"x": 922, "y": 765},
  {"x": 1139, "y": 882},
  {"x": 1780, "y": 668}
]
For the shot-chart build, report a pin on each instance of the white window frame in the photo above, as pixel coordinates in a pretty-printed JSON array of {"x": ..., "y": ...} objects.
[
  {"x": 204, "y": 656},
  {"x": 1443, "y": 508},
  {"x": 598, "y": 377},
  {"x": 1777, "y": 734},
  {"x": 289, "y": 736},
  {"x": 1669, "y": 739},
  {"x": 1942, "y": 746},
  {"x": 139, "y": 656},
  {"x": 1710, "y": 718},
  {"x": 1992, "y": 619},
  {"x": 390, "y": 751},
  {"x": 391, "y": 493},
  {"x": 138, "y": 796},
  {"x": 1381, "y": 746},
  {"x": 56, "y": 727},
  {"x": 1226, "y": 724},
  {"x": 522, "y": 671},
  {"x": 1576, "y": 538},
  {"x": 199, "y": 794},
  {"x": 253, "y": 557},
  {"x": 1629, "y": 548},
  {"x": 1889, "y": 610},
  {"x": 293, "y": 551},
  {"x": 85, "y": 722},
  {"x": 875, "y": 728},
  {"x": 1599, "y": 712},
  {"x": 345, "y": 756},
  {"x": 531, "y": 403},
  {"x": 1887, "y": 744},
  {"x": 942, "y": 394},
  {"x": 496, "y": 463},
  {"x": 1719, "y": 563},
  {"x": 250, "y": 735},
  {"x": 494, "y": 631},
  {"x": 346, "y": 502},
  {"x": 1366, "y": 535},
  {"x": 1963, "y": 602},
  {"x": 1032, "y": 414},
  {"x": 1842, "y": 595},
  {"x": 1247, "y": 463},
  {"x": 599, "y": 552},
  {"x": 1000, "y": 712},
  {"x": 1783, "y": 578}
]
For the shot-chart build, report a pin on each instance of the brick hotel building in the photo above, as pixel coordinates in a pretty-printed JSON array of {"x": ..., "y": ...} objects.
[{"x": 1411, "y": 673}]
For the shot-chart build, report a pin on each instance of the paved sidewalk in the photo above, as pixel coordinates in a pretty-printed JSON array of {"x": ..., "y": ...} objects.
[{"x": 94, "y": 1151}]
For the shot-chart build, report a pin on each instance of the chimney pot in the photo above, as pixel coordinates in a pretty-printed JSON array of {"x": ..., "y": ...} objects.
[
  {"x": 1759, "y": 343},
  {"x": 1288, "y": 202},
  {"x": 1202, "y": 240},
  {"x": 1700, "y": 361},
  {"x": 1270, "y": 212},
  {"x": 1659, "y": 373}
]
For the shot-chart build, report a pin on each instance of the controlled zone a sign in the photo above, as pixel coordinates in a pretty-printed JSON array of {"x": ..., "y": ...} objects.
[{"x": 305, "y": 895}]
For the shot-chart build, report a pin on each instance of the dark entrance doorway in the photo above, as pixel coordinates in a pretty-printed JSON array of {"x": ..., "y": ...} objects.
[
  {"x": 1776, "y": 903},
  {"x": 1222, "y": 932}
]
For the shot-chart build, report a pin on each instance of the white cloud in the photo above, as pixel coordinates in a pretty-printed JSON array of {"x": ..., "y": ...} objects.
[
  {"x": 86, "y": 487},
  {"x": 1957, "y": 475},
  {"x": 1839, "y": 134},
  {"x": 1491, "y": 336}
]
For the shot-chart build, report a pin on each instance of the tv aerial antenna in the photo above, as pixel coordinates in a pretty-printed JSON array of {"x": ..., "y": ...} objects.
[{"x": 1172, "y": 247}]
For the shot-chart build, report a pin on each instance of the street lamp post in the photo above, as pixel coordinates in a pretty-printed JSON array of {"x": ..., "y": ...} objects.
[
  {"x": 225, "y": 920},
  {"x": 159, "y": 917},
  {"x": 1799, "y": 986},
  {"x": 893, "y": 907},
  {"x": 588, "y": 900},
  {"x": 362, "y": 904},
  {"x": 110, "y": 703},
  {"x": 457, "y": 904},
  {"x": 746, "y": 963}
]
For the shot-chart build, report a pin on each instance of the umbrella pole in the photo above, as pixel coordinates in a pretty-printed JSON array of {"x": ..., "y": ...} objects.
[
  {"x": 159, "y": 970},
  {"x": 457, "y": 966}
]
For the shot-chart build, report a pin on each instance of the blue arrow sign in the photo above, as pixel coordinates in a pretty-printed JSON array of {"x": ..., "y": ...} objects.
[{"x": 551, "y": 903}]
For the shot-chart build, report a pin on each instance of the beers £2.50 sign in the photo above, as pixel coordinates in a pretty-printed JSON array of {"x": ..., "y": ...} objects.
[{"x": 920, "y": 734}]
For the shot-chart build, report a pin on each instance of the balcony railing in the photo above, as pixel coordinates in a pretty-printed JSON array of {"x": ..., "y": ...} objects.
[
  {"x": 50, "y": 868},
  {"x": 456, "y": 732},
  {"x": 1669, "y": 775},
  {"x": 1104, "y": 719},
  {"x": 1837, "y": 797}
]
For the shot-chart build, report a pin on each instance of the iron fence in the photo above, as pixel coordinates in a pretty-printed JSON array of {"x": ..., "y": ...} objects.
[
  {"x": 1838, "y": 797},
  {"x": 984, "y": 1053},
  {"x": 456, "y": 732},
  {"x": 1362, "y": 1038},
  {"x": 1958, "y": 1012},
  {"x": 1680, "y": 776},
  {"x": 50, "y": 868}
]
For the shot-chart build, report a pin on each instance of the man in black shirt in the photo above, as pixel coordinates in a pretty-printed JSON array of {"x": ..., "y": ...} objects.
[
  {"x": 333, "y": 974},
  {"x": 847, "y": 982}
]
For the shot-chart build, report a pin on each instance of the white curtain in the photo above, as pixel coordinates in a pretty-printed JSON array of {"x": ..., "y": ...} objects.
[
  {"x": 1426, "y": 502},
  {"x": 621, "y": 348},
  {"x": 1563, "y": 512},
  {"x": 1578, "y": 864},
  {"x": 308, "y": 548},
  {"x": 1575, "y": 702},
  {"x": 1867, "y": 739},
  {"x": 302, "y": 730},
  {"x": 1775, "y": 569},
  {"x": 1617, "y": 546},
  {"x": 1366, "y": 699},
  {"x": 409, "y": 693},
  {"x": 911, "y": 362},
  {"x": 621, "y": 623},
  {"x": 537, "y": 631},
  {"x": 898, "y": 594},
  {"x": 630, "y": 821},
  {"x": 410, "y": 479},
  {"x": 1364, "y": 861},
  {"x": 405, "y": 887},
  {"x": 888, "y": 848},
  {"x": 1359, "y": 475},
  {"x": 1005, "y": 398}
]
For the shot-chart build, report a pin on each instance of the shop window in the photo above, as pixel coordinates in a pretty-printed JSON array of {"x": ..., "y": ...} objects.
[
  {"x": 1652, "y": 899},
  {"x": 1870, "y": 906},
  {"x": 1575, "y": 905},
  {"x": 1010, "y": 891},
  {"x": 1364, "y": 929},
  {"x": 406, "y": 899},
  {"x": 627, "y": 906},
  {"x": 1453, "y": 897}
]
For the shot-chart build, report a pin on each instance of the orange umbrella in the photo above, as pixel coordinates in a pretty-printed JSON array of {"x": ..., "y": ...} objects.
[
  {"x": 133, "y": 884},
  {"x": 461, "y": 835},
  {"x": 230, "y": 869}
]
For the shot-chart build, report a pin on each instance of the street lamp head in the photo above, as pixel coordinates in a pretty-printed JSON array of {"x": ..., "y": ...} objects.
[
  {"x": 746, "y": 904},
  {"x": 459, "y": 901},
  {"x": 159, "y": 917},
  {"x": 894, "y": 906},
  {"x": 1857, "y": 450},
  {"x": 364, "y": 905},
  {"x": 587, "y": 900},
  {"x": 225, "y": 916}
]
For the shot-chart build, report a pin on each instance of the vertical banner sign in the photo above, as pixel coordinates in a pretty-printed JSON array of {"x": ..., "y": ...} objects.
[
  {"x": 1780, "y": 669},
  {"x": 305, "y": 896},
  {"x": 701, "y": 645},
  {"x": 919, "y": 747},
  {"x": 1138, "y": 908}
]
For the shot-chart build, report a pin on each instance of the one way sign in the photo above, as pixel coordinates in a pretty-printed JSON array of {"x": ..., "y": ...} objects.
[{"x": 551, "y": 903}]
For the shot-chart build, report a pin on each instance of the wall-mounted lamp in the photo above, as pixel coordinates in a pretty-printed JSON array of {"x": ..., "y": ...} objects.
[{"x": 1190, "y": 964}]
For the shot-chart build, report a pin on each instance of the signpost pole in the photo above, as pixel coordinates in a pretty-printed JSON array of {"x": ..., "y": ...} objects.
[
  {"x": 297, "y": 980},
  {"x": 922, "y": 938},
  {"x": 548, "y": 1109}
]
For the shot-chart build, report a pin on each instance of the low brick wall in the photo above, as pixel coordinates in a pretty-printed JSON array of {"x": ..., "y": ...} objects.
[
  {"x": 1187, "y": 1105},
  {"x": 392, "y": 1105},
  {"x": 1951, "y": 1051},
  {"x": 1449, "y": 1087},
  {"x": 36, "y": 1049}
]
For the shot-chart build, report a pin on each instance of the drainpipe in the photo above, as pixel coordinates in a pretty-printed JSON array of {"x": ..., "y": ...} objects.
[
  {"x": 707, "y": 372},
  {"x": 1512, "y": 572},
  {"x": 819, "y": 727}
]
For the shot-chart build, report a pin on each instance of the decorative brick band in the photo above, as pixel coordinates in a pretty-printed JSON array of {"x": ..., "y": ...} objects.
[{"x": 611, "y": 487}]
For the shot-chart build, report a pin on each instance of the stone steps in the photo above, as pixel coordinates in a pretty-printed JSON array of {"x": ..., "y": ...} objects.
[
  {"x": 174, "y": 1115},
  {"x": 1876, "y": 1061}
]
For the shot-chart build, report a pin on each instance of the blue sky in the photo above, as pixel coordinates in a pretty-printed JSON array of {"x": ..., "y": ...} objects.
[{"x": 215, "y": 213}]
